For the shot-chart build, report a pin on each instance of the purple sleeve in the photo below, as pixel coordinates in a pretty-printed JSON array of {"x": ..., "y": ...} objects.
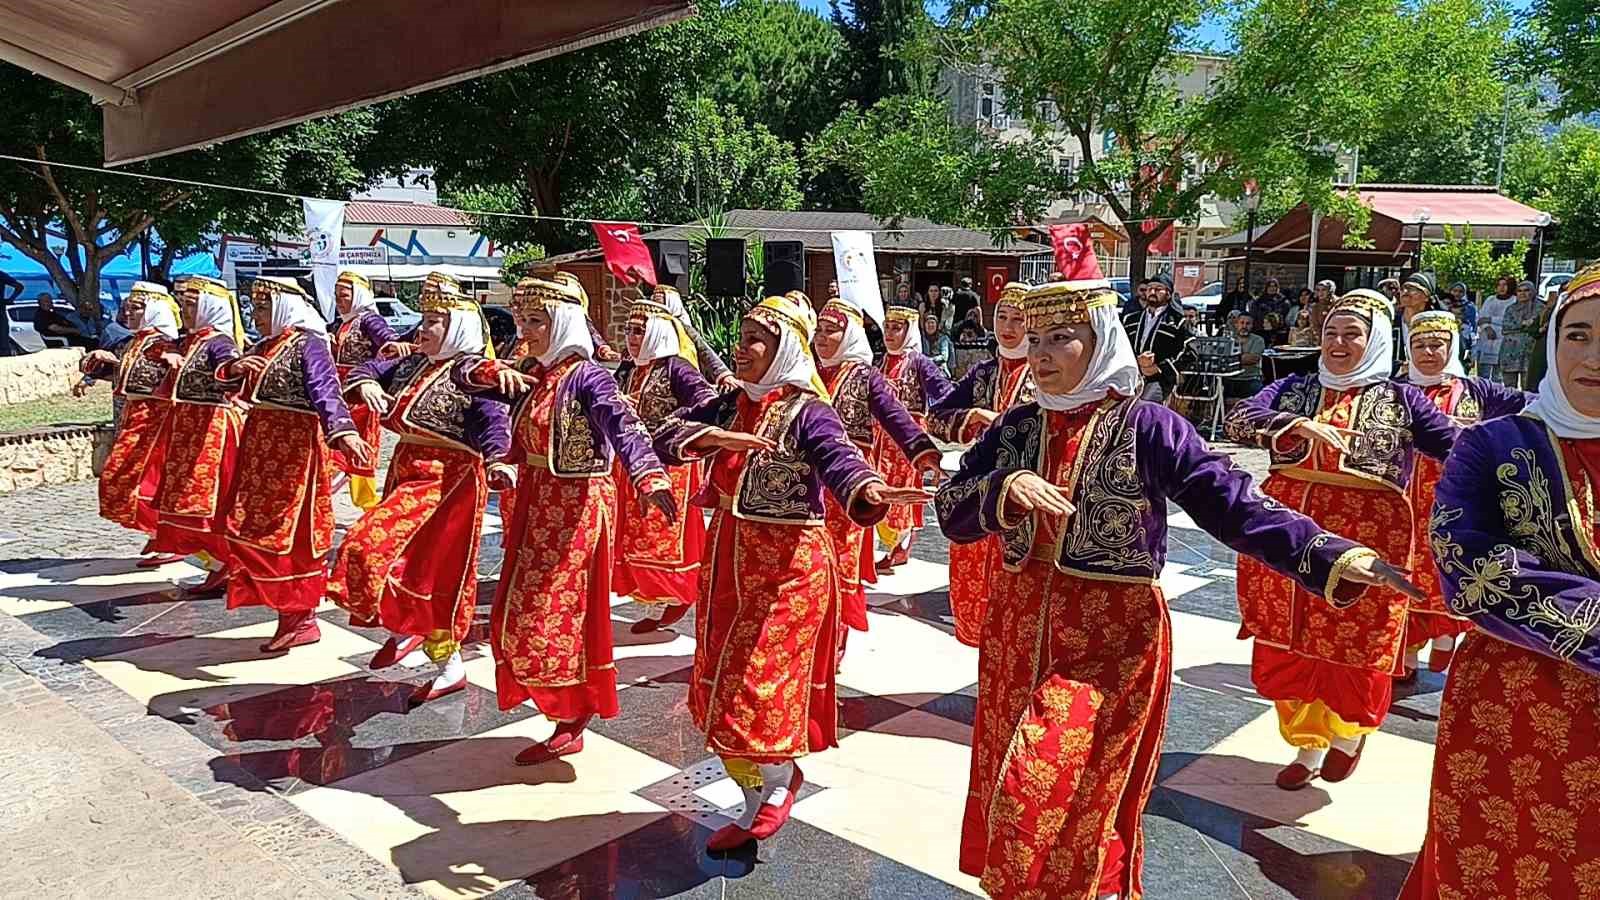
[
  {"x": 220, "y": 351},
  {"x": 1223, "y": 500},
  {"x": 935, "y": 386},
  {"x": 322, "y": 389},
  {"x": 688, "y": 385},
  {"x": 489, "y": 428},
  {"x": 677, "y": 431},
  {"x": 1498, "y": 400},
  {"x": 968, "y": 504},
  {"x": 1432, "y": 431},
  {"x": 1505, "y": 590},
  {"x": 844, "y": 471},
  {"x": 895, "y": 419},
  {"x": 947, "y": 418},
  {"x": 611, "y": 416},
  {"x": 375, "y": 369},
  {"x": 1254, "y": 422},
  {"x": 377, "y": 331}
]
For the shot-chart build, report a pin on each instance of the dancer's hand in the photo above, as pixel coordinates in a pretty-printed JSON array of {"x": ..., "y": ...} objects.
[
  {"x": 172, "y": 360},
  {"x": 374, "y": 397},
  {"x": 735, "y": 441},
  {"x": 512, "y": 383},
  {"x": 1330, "y": 436},
  {"x": 103, "y": 357},
  {"x": 661, "y": 500},
  {"x": 727, "y": 382},
  {"x": 985, "y": 417},
  {"x": 1374, "y": 571},
  {"x": 1031, "y": 493},
  {"x": 880, "y": 494},
  {"x": 396, "y": 349},
  {"x": 1147, "y": 364},
  {"x": 928, "y": 464},
  {"x": 250, "y": 365},
  {"x": 354, "y": 448},
  {"x": 80, "y": 388},
  {"x": 502, "y": 478}
]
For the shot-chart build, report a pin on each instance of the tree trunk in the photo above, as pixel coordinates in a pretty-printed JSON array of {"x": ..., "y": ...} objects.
[
  {"x": 162, "y": 270},
  {"x": 1138, "y": 251}
]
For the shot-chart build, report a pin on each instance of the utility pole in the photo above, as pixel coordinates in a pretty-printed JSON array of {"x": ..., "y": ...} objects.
[{"x": 1505, "y": 118}]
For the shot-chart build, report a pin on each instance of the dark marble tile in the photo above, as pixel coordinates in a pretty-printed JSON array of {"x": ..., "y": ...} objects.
[
  {"x": 1197, "y": 720},
  {"x": 1415, "y": 710},
  {"x": 961, "y": 708},
  {"x": 804, "y": 861},
  {"x": 930, "y": 544},
  {"x": 100, "y": 618},
  {"x": 859, "y": 711},
  {"x": 655, "y": 721},
  {"x": 1217, "y": 600}
]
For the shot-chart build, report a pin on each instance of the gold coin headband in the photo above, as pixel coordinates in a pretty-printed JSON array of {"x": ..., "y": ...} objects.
[{"x": 1056, "y": 305}]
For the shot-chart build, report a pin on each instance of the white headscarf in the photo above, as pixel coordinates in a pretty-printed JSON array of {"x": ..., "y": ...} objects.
[
  {"x": 569, "y": 334},
  {"x": 291, "y": 308},
  {"x": 1377, "y": 360},
  {"x": 791, "y": 362},
  {"x": 1452, "y": 367},
  {"x": 853, "y": 347},
  {"x": 660, "y": 341},
  {"x": 1113, "y": 367},
  {"x": 673, "y": 301},
  {"x": 160, "y": 312},
  {"x": 463, "y": 333},
  {"x": 360, "y": 293},
  {"x": 1552, "y": 404}
]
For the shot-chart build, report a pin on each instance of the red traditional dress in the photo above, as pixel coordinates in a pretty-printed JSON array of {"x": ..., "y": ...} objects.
[
  {"x": 132, "y": 473},
  {"x": 920, "y": 385},
  {"x": 202, "y": 449},
  {"x": 280, "y": 513},
  {"x": 362, "y": 334}
]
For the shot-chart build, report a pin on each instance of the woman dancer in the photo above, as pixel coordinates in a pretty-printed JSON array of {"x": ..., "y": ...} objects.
[
  {"x": 279, "y": 523},
  {"x": 658, "y": 558},
  {"x": 1435, "y": 369},
  {"x": 763, "y": 682},
  {"x": 1075, "y": 659},
  {"x": 920, "y": 385},
  {"x": 411, "y": 563},
  {"x": 987, "y": 390},
  {"x": 1514, "y": 532},
  {"x": 1343, "y": 443},
  {"x": 362, "y": 336}
]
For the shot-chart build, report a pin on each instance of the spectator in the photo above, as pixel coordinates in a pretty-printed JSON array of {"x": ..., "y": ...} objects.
[
  {"x": 1390, "y": 287},
  {"x": 1488, "y": 348},
  {"x": 965, "y": 300},
  {"x": 1321, "y": 305},
  {"x": 938, "y": 307},
  {"x": 1416, "y": 295},
  {"x": 970, "y": 328},
  {"x": 1160, "y": 337},
  {"x": 1251, "y": 347},
  {"x": 1270, "y": 312},
  {"x": 1519, "y": 328},
  {"x": 49, "y": 322},
  {"x": 1537, "y": 360},
  {"x": 10, "y": 289},
  {"x": 936, "y": 344},
  {"x": 1235, "y": 301},
  {"x": 1467, "y": 314},
  {"x": 1135, "y": 303}
]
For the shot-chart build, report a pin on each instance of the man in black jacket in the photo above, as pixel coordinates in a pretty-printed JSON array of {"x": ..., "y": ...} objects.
[{"x": 1160, "y": 337}]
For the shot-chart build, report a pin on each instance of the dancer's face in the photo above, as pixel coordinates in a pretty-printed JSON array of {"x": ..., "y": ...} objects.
[
  {"x": 753, "y": 357},
  {"x": 189, "y": 307},
  {"x": 534, "y": 326},
  {"x": 1344, "y": 341},
  {"x": 1430, "y": 352},
  {"x": 344, "y": 298},
  {"x": 1010, "y": 326},
  {"x": 894, "y": 334},
  {"x": 1578, "y": 356},
  {"x": 430, "y": 334},
  {"x": 636, "y": 331},
  {"x": 830, "y": 334},
  {"x": 1060, "y": 356}
]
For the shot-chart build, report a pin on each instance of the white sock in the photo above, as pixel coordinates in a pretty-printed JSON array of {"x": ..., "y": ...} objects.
[
  {"x": 1311, "y": 757},
  {"x": 752, "y": 805},
  {"x": 1411, "y": 659},
  {"x": 1109, "y": 897},
  {"x": 1347, "y": 746},
  {"x": 775, "y": 783},
  {"x": 1444, "y": 643},
  {"x": 416, "y": 659},
  {"x": 454, "y": 671}
]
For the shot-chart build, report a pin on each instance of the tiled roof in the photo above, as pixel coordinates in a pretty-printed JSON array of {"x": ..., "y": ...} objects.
[
  {"x": 812, "y": 229},
  {"x": 388, "y": 212}
]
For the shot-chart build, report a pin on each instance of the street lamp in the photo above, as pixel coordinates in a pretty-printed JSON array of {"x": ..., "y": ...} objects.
[
  {"x": 1252, "y": 202},
  {"x": 1423, "y": 215},
  {"x": 1543, "y": 221}
]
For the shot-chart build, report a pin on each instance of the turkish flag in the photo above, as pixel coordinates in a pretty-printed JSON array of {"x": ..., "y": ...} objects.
[
  {"x": 626, "y": 255},
  {"x": 995, "y": 278},
  {"x": 1075, "y": 258},
  {"x": 1162, "y": 245}
]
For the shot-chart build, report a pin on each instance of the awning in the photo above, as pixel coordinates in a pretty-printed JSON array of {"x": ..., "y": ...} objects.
[
  {"x": 178, "y": 74},
  {"x": 417, "y": 271}
]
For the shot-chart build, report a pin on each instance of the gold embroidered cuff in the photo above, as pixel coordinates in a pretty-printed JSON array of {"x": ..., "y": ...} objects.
[
  {"x": 1000, "y": 501},
  {"x": 1336, "y": 575}
]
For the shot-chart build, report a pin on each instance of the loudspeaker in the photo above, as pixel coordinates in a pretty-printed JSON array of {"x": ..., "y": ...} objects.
[
  {"x": 785, "y": 267},
  {"x": 725, "y": 267},
  {"x": 671, "y": 259}
]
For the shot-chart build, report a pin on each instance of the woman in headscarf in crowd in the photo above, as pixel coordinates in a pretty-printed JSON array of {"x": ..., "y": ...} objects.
[
  {"x": 936, "y": 344},
  {"x": 1519, "y": 328},
  {"x": 658, "y": 556},
  {"x": 410, "y": 564},
  {"x": 551, "y": 623},
  {"x": 203, "y": 441},
  {"x": 1514, "y": 533},
  {"x": 132, "y": 473},
  {"x": 279, "y": 522},
  {"x": 763, "y": 683},
  {"x": 361, "y": 337},
  {"x": 989, "y": 389},
  {"x": 1343, "y": 444},
  {"x": 1416, "y": 296},
  {"x": 1075, "y": 660},
  {"x": 870, "y": 412},
  {"x": 1435, "y": 369},
  {"x": 920, "y": 386}
]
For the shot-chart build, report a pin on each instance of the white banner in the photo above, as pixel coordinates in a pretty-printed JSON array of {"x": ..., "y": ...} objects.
[
  {"x": 856, "y": 269},
  {"x": 324, "y": 228}
]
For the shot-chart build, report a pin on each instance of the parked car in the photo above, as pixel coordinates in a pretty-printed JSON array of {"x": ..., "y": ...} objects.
[
  {"x": 400, "y": 317},
  {"x": 1555, "y": 280},
  {"x": 20, "y": 316}
]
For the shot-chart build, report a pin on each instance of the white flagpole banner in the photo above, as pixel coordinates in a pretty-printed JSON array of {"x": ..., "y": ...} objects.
[
  {"x": 856, "y": 269},
  {"x": 324, "y": 230}
]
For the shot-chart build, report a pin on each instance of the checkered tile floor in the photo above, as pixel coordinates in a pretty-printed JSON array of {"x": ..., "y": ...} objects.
[{"x": 313, "y": 747}]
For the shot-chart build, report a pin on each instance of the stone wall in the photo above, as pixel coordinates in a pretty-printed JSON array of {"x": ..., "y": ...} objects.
[
  {"x": 33, "y": 376},
  {"x": 52, "y": 456}
]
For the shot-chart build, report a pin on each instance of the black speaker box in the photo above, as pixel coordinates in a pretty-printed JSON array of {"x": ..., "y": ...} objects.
[
  {"x": 785, "y": 267},
  {"x": 671, "y": 259},
  {"x": 725, "y": 267}
]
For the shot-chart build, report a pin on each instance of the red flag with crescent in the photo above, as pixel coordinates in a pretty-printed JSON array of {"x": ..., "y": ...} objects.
[
  {"x": 1074, "y": 248},
  {"x": 626, "y": 254}
]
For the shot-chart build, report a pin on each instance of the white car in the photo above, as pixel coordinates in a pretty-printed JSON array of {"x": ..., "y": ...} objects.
[
  {"x": 1555, "y": 280},
  {"x": 400, "y": 317},
  {"x": 20, "y": 315}
]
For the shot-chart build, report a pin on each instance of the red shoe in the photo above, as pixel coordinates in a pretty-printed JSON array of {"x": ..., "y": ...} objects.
[
  {"x": 555, "y": 748},
  {"x": 424, "y": 694},
  {"x": 216, "y": 583},
  {"x": 770, "y": 818},
  {"x": 1340, "y": 765},
  {"x": 1439, "y": 660},
  {"x": 669, "y": 617},
  {"x": 156, "y": 562},
  {"x": 728, "y": 837},
  {"x": 294, "y": 630},
  {"x": 897, "y": 557},
  {"x": 1296, "y": 776},
  {"x": 394, "y": 650}
]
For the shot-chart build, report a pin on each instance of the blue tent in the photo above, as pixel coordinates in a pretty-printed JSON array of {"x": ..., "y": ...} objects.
[{"x": 116, "y": 277}]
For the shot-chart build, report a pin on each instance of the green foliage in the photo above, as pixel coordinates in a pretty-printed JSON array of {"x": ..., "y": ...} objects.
[
  {"x": 912, "y": 161},
  {"x": 887, "y": 43},
  {"x": 1562, "y": 43},
  {"x": 1459, "y": 150},
  {"x": 784, "y": 66},
  {"x": 1561, "y": 175},
  {"x": 518, "y": 261},
  {"x": 1472, "y": 262},
  {"x": 715, "y": 160},
  {"x": 718, "y": 318}
]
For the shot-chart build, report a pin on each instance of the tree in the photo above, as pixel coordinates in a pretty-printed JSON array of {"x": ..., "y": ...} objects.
[
  {"x": 1453, "y": 148},
  {"x": 1561, "y": 175},
  {"x": 97, "y": 216},
  {"x": 1472, "y": 262},
  {"x": 1099, "y": 79},
  {"x": 884, "y": 38},
  {"x": 1560, "y": 43},
  {"x": 714, "y": 160}
]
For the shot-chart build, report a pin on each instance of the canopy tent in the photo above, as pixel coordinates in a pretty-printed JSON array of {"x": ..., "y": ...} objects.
[
  {"x": 116, "y": 276},
  {"x": 178, "y": 74}
]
